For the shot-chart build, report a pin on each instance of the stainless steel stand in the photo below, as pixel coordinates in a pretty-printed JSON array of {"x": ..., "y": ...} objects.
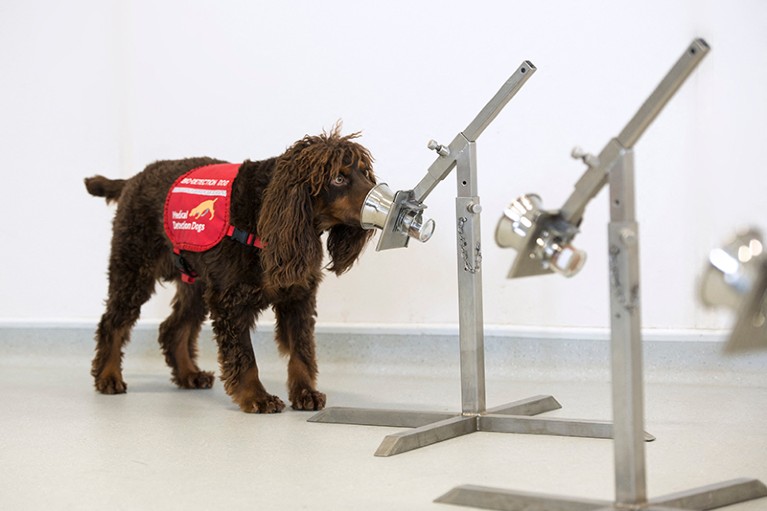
[
  {"x": 515, "y": 417},
  {"x": 616, "y": 166}
]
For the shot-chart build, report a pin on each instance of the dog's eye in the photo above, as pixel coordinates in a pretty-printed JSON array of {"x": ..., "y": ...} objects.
[{"x": 340, "y": 180}]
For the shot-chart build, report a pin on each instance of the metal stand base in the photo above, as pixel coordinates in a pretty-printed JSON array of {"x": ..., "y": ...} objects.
[
  {"x": 712, "y": 496},
  {"x": 433, "y": 427}
]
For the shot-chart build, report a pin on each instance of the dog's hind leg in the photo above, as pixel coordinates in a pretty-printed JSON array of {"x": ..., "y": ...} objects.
[
  {"x": 178, "y": 337},
  {"x": 134, "y": 266},
  {"x": 128, "y": 290},
  {"x": 295, "y": 338},
  {"x": 233, "y": 314}
]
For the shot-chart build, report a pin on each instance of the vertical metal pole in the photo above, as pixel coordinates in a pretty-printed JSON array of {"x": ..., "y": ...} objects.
[
  {"x": 469, "y": 255},
  {"x": 626, "y": 337}
]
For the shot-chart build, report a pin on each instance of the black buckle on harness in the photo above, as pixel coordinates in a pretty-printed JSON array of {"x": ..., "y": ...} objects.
[
  {"x": 240, "y": 235},
  {"x": 187, "y": 273},
  {"x": 245, "y": 237}
]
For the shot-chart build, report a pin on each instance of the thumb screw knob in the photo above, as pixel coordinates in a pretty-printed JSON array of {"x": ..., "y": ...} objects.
[{"x": 436, "y": 146}]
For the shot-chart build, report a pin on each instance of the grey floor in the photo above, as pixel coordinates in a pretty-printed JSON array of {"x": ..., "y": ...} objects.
[{"x": 63, "y": 446}]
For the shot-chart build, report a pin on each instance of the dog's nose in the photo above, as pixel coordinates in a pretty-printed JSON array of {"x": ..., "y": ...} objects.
[{"x": 383, "y": 210}]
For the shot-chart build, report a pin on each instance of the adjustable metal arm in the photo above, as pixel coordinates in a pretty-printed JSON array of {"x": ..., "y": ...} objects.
[
  {"x": 448, "y": 155},
  {"x": 409, "y": 203},
  {"x": 595, "y": 178},
  {"x": 542, "y": 238}
]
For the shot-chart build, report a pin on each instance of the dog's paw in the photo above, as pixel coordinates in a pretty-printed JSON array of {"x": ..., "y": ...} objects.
[
  {"x": 308, "y": 399},
  {"x": 197, "y": 380},
  {"x": 111, "y": 385},
  {"x": 269, "y": 404}
]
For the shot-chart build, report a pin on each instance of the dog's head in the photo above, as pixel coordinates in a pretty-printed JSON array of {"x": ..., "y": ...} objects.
[{"x": 319, "y": 184}]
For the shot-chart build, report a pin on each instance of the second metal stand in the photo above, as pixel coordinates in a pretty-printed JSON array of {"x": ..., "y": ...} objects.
[
  {"x": 515, "y": 417},
  {"x": 615, "y": 167},
  {"x": 627, "y": 392}
]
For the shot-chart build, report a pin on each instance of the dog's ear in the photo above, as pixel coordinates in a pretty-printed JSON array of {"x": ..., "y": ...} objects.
[
  {"x": 345, "y": 245},
  {"x": 293, "y": 252}
]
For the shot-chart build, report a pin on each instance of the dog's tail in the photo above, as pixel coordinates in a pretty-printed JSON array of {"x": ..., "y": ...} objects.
[{"x": 100, "y": 186}]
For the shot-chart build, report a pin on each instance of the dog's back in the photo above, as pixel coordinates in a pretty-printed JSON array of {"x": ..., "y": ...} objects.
[
  {"x": 156, "y": 176},
  {"x": 138, "y": 228},
  {"x": 141, "y": 198}
]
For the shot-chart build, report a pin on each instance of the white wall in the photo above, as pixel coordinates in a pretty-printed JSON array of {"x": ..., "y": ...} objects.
[{"x": 91, "y": 86}]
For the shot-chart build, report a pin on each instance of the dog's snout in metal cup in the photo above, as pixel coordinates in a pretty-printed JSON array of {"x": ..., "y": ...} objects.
[{"x": 379, "y": 208}]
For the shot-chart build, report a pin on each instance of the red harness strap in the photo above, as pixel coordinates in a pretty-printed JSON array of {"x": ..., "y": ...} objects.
[{"x": 197, "y": 213}]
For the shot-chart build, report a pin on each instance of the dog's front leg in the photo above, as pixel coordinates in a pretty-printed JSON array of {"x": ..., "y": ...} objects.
[
  {"x": 239, "y": 371},
  {"x": 295, "y": 338}
]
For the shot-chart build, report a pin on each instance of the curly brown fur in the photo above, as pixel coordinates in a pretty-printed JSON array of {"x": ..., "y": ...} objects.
[{"x": 318, "y": 185}]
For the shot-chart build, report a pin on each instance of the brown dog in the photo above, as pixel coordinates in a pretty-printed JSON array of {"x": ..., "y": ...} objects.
[{"x": 318, "y": 185}]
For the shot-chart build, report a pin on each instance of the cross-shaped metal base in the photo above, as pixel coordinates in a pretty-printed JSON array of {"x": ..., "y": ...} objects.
[
  {"x": 712, "y": 496},
  {"x": 433, "y": 427}
]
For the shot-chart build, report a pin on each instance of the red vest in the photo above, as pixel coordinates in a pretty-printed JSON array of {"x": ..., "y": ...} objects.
[{"x": 197, "y": 212}]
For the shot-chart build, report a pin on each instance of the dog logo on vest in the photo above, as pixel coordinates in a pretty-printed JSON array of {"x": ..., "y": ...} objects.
[{"x": 203, "y": 208}]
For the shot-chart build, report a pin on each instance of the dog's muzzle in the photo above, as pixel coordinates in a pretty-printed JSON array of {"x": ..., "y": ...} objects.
[{"x": 395, "y": 214}]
